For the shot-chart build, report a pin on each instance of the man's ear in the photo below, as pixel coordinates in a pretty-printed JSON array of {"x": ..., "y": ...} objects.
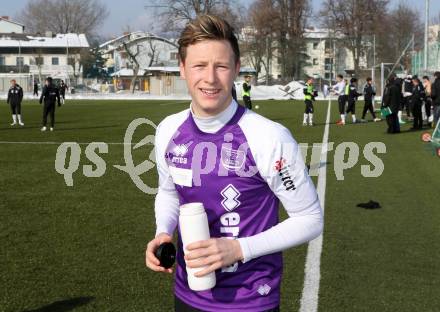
[
  {"x": 237, "y": 68},
  {"x": 182, "y": 69}
]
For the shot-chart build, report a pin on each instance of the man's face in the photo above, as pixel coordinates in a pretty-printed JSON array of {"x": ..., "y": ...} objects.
[
  {"x": 13, "y": 83},
  {"x": 415, "y": 82},
  {"x": 209, "y": 70},
  {"x": 338, "y": 79}
]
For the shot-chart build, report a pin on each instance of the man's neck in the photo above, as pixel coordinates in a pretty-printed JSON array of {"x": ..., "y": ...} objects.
[{"x": 198, "y": 112}]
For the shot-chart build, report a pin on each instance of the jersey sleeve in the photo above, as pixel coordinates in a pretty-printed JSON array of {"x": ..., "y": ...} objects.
[
  {"x": 282, "y": 166},
  {"x": 166, "y": 205}
]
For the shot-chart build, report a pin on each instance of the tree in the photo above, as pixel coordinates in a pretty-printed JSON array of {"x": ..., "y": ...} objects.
[
  {"x": 355, "y": 20},
  {"x": 94, "y": 64},
  {"x": 258, "y": 36},
  {"x": 402, "y": 24},
  {"x": 65, "y": 16},
  {"x": 294, "y": 16},
  {"x": 176, "y": 13}
]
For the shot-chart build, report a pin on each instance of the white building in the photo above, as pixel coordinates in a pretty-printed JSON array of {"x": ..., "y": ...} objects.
[
  {"x": 37, "y": 57},
  {"x": 324, "y": 51},
  {"x": 148, "y": 49},
  {"x": 8, "y": 26},
  {"x": 327, "y": 56}
]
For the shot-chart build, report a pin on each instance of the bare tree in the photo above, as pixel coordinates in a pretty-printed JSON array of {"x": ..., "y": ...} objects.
[
  {"x": 402, "y": 24},
  {"x": 355, "y": 19},
  {"x": 294, "y": 16},
  {"x": 132, "y": 55},
  {"x": 258, "y": 36},
  {"x": 176, "y": 13},
  {"x": 66, "y": 16}
]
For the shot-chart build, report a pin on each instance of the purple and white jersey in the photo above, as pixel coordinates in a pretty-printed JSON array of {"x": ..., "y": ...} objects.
[{"x": 240, "y": 173}]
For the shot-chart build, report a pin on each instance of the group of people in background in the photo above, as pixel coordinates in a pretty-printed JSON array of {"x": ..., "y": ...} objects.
[
  {"x": 420, "y": 100},
  {"x": 50, "y": 95}
]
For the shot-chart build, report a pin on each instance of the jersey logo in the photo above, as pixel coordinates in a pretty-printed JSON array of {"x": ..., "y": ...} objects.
[
  {"x": 232, "y": 159},
  {"x": 264, "y": 289},
  {"x": 230, "y": 195},
  {"x": 285, "y": 175},
  {"x": 180, "y": 150}
]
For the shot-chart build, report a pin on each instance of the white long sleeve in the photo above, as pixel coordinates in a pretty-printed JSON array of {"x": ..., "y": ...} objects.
[{"x": 166, "y": 205}]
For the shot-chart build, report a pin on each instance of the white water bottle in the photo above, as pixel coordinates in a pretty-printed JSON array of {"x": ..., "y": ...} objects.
[{"x": 193, "y": 223}]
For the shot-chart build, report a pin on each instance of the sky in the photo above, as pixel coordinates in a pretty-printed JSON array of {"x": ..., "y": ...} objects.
[{"x": 132, "y": 14}]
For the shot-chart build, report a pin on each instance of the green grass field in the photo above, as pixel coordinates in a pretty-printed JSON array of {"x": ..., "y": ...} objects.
[{"x": 81, "y": 248}]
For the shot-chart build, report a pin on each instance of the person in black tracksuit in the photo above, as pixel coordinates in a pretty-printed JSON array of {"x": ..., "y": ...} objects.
[
  {"x": 35, "y": 88},
  {"x": 50, "y": 95},
  {"x": 392, "y": 99},
  {"x": 369, "y": 93},
  {"x": 418, "y": 96},
  {"x": 15, "y": 96},
  {"x": 63, "y": 88},
  {"x": 435, "y": 95},
  {"x": 352, "y": 97},
  {"x": 407, "y": 93}
]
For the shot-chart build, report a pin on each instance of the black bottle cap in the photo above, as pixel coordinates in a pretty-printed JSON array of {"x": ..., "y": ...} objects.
[{"x": 166, "y": 253}]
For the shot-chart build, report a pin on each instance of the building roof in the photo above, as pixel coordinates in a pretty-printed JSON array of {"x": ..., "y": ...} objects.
[
  {"x": 9, "y": 21},
  {"x": 36, "y": 41}
]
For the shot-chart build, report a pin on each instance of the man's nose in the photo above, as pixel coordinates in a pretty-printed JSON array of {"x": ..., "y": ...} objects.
[{"x": 210, "y": 74}]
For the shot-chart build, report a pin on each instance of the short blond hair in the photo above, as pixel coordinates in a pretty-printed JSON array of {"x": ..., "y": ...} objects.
[{"x": 207, "y": 27}]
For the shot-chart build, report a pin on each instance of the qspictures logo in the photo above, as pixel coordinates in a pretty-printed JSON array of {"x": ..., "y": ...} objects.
[{"x": 346, "y": 156}]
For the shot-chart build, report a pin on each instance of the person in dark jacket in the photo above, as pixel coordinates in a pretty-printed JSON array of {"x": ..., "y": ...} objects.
[
  {"x": 407, "y": 93},
  {"x": 50, "y": 95},
  {"x": 63, "y": 88},
  {"x": 369, "y": 93},
  {"x": 392, "y": 98},
  {"x": 418, "y": 96},
  {"x": 435, "y": 95},
  {"x": 15, "y": 96},
  {"x": 35, "y": 88},
  {"x": 352, "y": 98}
]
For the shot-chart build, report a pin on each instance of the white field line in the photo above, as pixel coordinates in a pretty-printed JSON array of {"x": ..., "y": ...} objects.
[{"x": 309, "y": 298}]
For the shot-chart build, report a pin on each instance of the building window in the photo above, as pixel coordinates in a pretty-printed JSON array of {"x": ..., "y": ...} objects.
[
  {"x": 20, "y": 61},
  {"x": 327, "y": 75},
  {"x": 2, "y": 60},
  {"x": 55, "y": 61},
  {"x": 315, "y": 61},
  {"x": 315, "y": 45},
  {"x": 39, "y": 60},
  {"x": 173, "y": 56},
  {"x": 328, "y": 63}
]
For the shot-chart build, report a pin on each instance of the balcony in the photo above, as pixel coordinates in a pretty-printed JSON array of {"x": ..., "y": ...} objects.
[
  {"x": 52, "y": 70},
  {"x": 14, "y": 69}
]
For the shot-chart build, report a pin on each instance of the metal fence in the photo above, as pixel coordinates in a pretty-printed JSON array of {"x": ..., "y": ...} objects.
[{"x": 433, "y": 61}]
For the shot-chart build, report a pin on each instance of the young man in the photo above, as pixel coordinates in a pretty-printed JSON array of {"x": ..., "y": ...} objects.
[
  {"x": 407, "y": 93},
  {"x": 63, "y": 88},
  {"x": 35, "y": 88},
  {"x": 418, "y": 96},
  {"x": 309, "y": 97},
  {"x": 392, "y": 97},
  {"x": 339, "y": 89},
  {"x": 435, "y": 95},
  {"x": 50, "y": 95},
  {"x": 246, "y": 93},
  {"x": 428, "y": 100},
  {"x": 369, "y": 94},
  {"x": 240, "y": 165},
  {"x": 15, "y": 96},
  {"x": 352, "y": 96}
]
